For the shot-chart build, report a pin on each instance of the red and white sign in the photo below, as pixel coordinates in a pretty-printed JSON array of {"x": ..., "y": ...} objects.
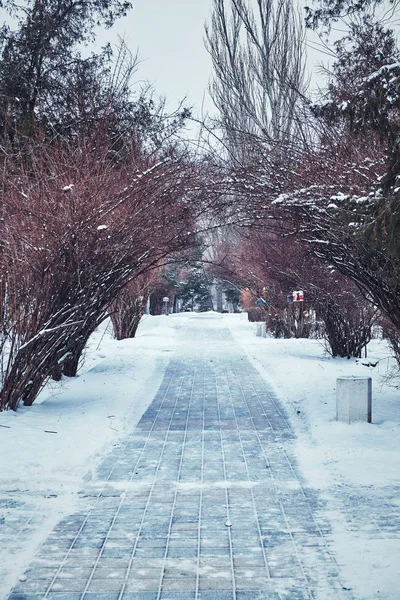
[{"x": 296, "y": 296}]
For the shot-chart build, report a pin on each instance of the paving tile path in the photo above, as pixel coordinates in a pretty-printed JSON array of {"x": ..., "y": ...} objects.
[{"x": 202, "y": 501}]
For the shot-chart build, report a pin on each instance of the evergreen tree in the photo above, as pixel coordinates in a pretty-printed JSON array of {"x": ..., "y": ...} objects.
[
  {"x": 40, "y": 59},
  {"x": 194, "y": 291},
  {"x": 363, "y": 94},
  {"x": 328, "y": 11}
]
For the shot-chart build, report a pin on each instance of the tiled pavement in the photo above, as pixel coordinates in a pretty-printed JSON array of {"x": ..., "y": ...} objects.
[{"x": 202, "y": 501}]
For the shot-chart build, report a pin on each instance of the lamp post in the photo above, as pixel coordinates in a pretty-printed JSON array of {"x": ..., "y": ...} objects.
[{"x": 165, "y": 303}]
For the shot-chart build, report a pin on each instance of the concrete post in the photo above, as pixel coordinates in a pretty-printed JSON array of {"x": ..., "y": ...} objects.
[
  {"x": 261, "y": 330},
  {"x": 218, "y": 291},
  {"x": 354, "y": 399}
]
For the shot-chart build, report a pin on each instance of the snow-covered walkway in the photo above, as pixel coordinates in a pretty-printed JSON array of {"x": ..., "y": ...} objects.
[{"x": 202, "y": 500}]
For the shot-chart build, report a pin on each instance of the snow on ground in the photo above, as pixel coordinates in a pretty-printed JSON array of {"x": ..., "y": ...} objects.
[
  {"x": 356, "y": 466},
  {"x": 304, "y": 377},
  {"x": 47, "y": 450}
]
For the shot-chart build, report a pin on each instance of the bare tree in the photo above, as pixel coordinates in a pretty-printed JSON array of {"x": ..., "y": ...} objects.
[{"x": 258, "y": 59}]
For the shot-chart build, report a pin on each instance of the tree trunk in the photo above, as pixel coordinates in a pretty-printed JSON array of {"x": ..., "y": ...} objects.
[{"x": 71, "y": 364}]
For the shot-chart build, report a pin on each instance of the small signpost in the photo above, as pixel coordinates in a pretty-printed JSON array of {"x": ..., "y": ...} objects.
[
  {"x": 260, "y": 302},
  {"x": 296, "y": 296}
]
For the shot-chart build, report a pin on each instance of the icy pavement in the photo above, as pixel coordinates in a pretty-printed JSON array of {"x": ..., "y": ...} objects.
[{"x": 202, "y": 501}]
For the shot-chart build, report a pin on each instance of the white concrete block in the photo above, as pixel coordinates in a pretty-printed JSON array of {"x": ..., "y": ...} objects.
[
  {"x": 261, "y": 330},
  {"x": 354, "y": 399}
]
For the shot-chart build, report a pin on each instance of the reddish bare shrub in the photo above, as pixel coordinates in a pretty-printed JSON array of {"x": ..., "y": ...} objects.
[
  {"x": 271, "y": 267},
  {"x": 130, "y": 305},
  {"x": 76, "y": 227}
]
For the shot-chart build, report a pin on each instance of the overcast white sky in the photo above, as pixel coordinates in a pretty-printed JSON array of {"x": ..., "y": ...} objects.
[{"x": 169, "y": 36}]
